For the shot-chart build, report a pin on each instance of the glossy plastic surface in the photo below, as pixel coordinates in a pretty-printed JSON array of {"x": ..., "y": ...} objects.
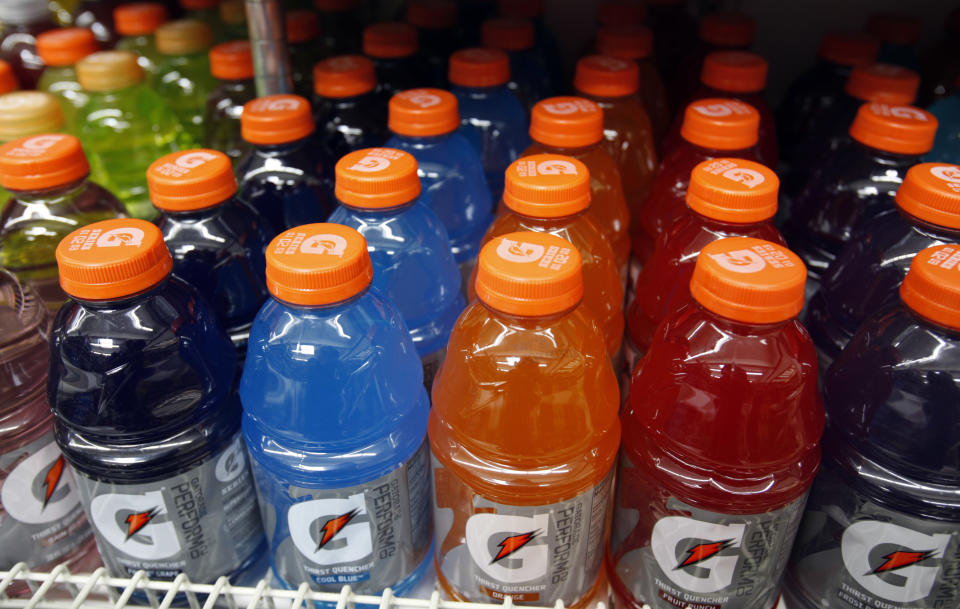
[
  {"x": 146, "y": 49},
  {"x": 495, "y": 122},
  {"x": 347, "y": 124},
  {"x": 184, "y": 83},
  {"x": 221, "y": 123},
  {"x": 454, "y": 187},
  {"x": 530, "y": 79},
  {"x": 947, "y": 144},
  {"x": 220, "y": 252},
  {"x": 62, "y": 82},
  {"x": 810, "y": 97},
  {"x": 34, "y": 222},
  {"x": 768, "y": 151},
  {"x": 663, "y": 285},
  {"x": 653, "y": 92},
  {"x": 18, "y": 47}
]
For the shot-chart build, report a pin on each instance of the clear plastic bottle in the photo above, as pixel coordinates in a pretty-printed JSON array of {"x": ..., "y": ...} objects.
[
  {"x": 529, "y": 77},
  {"x": 183, "y": 76},
  {"x": 328, "y": 469},
  {"x": 545, "y": 43},
  {"x": 207, "y": 11},
  {"x": 50, "y": 197},
  {"x": 97, "y": 16},
  {"x": 21, "y": 21},
  {"x": 231, "y": 63},
  {"x": 393, "y": 48},
  {"x": 439, "y": 36},
  {"x": 136, "y": 23},
  {"x": 303, "y": 35},
  {"x": 425, "y": 123},
  {"x": 60, "y": 50}
]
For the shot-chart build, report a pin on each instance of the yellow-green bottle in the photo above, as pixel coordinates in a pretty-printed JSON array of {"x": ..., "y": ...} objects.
[
  {"x": 137, "y": 23},
  {"x": 183, "y": 77},
  {"x": 60, "y": 50},
  {"x": 24, "y": 113}
]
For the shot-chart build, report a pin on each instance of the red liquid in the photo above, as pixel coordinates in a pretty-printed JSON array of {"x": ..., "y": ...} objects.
[
  {"x": 667, "y": 200},
  {"x": 664, "y": 283}
]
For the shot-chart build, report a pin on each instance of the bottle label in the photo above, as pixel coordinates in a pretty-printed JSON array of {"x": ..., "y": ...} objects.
[
  {"x": 41, "y": 520},
  {"x": 672, "y": 555},
  {"x": 854, "y": 553},
  {"x": 203, "y": 522},
  {"x": 537, "y": 554},
  {"x": 371, "y": 535}
]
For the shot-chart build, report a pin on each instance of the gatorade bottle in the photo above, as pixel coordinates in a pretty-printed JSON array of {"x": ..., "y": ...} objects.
[
  {"x": 522, "y": 500},
  {"x": 436, "y": 23},
  {"x": 60, "y": 50},
  {"x": 898, "y": 34},
  {"x": 347, "y": 478},
  {"x": 348, "y": 112},
  {"x": 424, "y": 123},
  {"x": 51, "y": 196},
  {"x": 303, "y": 35},
  {"x": 867, "y": 273},
  {"x": 281, "y": 176},
  {"x": 21, "y": 21},
  {"x": 24, "y": 113},
  {"x": 206, "y": 11},
  {"x": 341, "y": 23},
  {"x": 725, "y": 198},
  {"x": 550, "y": 193},
  {"x": 136, "y": 23},
  {"x": 217, "y": 243},
  {"x": 742, "y": 76},
  {"x": 183, "y": 76},
  {"x": 125, "y": 126},
  {"x": 635, "y": 43},
  {"x": 573, "y": 126},
  {"x": 675, "y": 32},
  {"x": 393, "y": 49},
  {"x": 413, "y": 265},
  {"x": 720, "y": 31},
  {"x": 231, "y": 63},
  {"x": 859, "y": 181},
  {"x": 43, "y": 523},
  {"x": 8, "y": 80},
  {"x": 882, "y": 526},
  {"x": 545, "y": 44},
  {"x": 947, "y": 144},
  {"x": 814, "y": 93},
  {"x": 529, "y": 78},
  {"x": 628, "y": 135},
  {"x": 159, "y": 460},
  {"x": 711, "y": 128},
  {"x": 491, "y": 117},
  {"x": 97, "y": 16},
  {"x": 707, "y": 510}
]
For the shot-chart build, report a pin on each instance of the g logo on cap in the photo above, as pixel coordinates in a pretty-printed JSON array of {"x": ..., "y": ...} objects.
[
  {"x": 740, "y": 261},
  {"x": 276, "y": 105},
  {"x": 192, "y": 160},
  {"x": 555, "y": 167},
  {"x": 371, "y": 164},
  {"x": 570, "y": 107},
  {"x": 421, "y": 97},
  {"x": 519, "y": 251},
  {"x": 947, "y": 173},
  {"x": 117, "y": 237},
  {"x": 713, "y": 109},
  {"x": 747, "y": 177},
  {"x": 324, "y": 244}
]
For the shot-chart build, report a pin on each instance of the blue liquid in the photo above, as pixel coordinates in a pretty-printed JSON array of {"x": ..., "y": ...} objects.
[
  {"x": 454, "y": 187},
  {"x": 495, "y": 123},
  {"x": 946, "y": 148}
]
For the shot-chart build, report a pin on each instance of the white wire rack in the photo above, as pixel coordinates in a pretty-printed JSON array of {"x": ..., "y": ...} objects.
[{"x": 60, "y": 589}]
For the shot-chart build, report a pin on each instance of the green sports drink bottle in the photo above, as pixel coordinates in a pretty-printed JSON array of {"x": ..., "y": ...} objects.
[
  {"x": 136, "y": 23},
  {"x": 60, "y": 50},
  {"x": 183, "y": 77}
]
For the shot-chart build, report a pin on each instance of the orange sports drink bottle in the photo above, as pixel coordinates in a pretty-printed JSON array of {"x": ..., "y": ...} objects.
[
  {"x": 524, "y": 433},
  {"x": 550, "y": 193},
  {"x": 574, "y": 126}
]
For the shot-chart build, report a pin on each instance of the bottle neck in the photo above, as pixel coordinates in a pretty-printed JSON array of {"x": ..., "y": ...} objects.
[
  {"x": 738, "y": 327},
  {"x": 48, "y": 194}
]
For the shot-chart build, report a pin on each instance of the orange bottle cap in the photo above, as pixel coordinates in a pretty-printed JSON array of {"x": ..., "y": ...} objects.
[
  {"x": 377, "y": 178},
  {"x": 733, "y": 190},
  {"x": 898, "y": 129},
  {"x": 931, "y": 192},
  {"x": 183, "y": 37},
  {"x": 198, "y": 5},
  {"x": 432, "y": 14},
  {"x": 932, "y": 285},
  {"x": 24, "y": 113},
  {"x": 302, "y": 26},
  {"x": 276, "y": 119},
  {"x": 507, "y": 33},
  {"x": 109, "y": 71},
  {"x": 479, "y": 67},
  {"x": 895, "y": 28},
  {"x": 883, "y": 82},
  {"x": 112, "y": 259},
  {"x": 344, "y": 76},
  {"x": 602, "y": 76},
  {"x": 733, "y": 30},
  {"x": 749, "y": 280},
  {"x": 734, "y": 71},
  {"x": 8, "y": 80},
  {"x": 389, "y": 40},
  {"x": 335, "y": 6},
  {"x": 721, "y": 124},
  {"x": 529, "y": 274},
  {"x": 524, "y": 9},
  {"x": 139, "y": 18},
  {"x": 232, "y": 60},
  {"x": 621, "y": 12},
  {"x": 39, "y": 162},
  {"x": 566, "y": 122},
  {"x": 318, "y": 264},
  {"x": 423, "y": 112},
  {"x": 66, "y": 46},
  {"x": 547, "y": 186},
  {"x": 849, "y": 48},
  {"x": 625, "y": 41},
  {"x": 191, "y": 180}
]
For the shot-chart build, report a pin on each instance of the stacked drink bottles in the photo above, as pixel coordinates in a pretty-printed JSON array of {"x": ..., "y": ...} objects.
[{"x": 426, "y": 322}]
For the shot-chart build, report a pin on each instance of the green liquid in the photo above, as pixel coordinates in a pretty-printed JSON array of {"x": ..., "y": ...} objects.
[
  {"x": 61, "y": 82},
  {"x": 184, "y": 83},
  {"x": 144, "y": 48}
]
